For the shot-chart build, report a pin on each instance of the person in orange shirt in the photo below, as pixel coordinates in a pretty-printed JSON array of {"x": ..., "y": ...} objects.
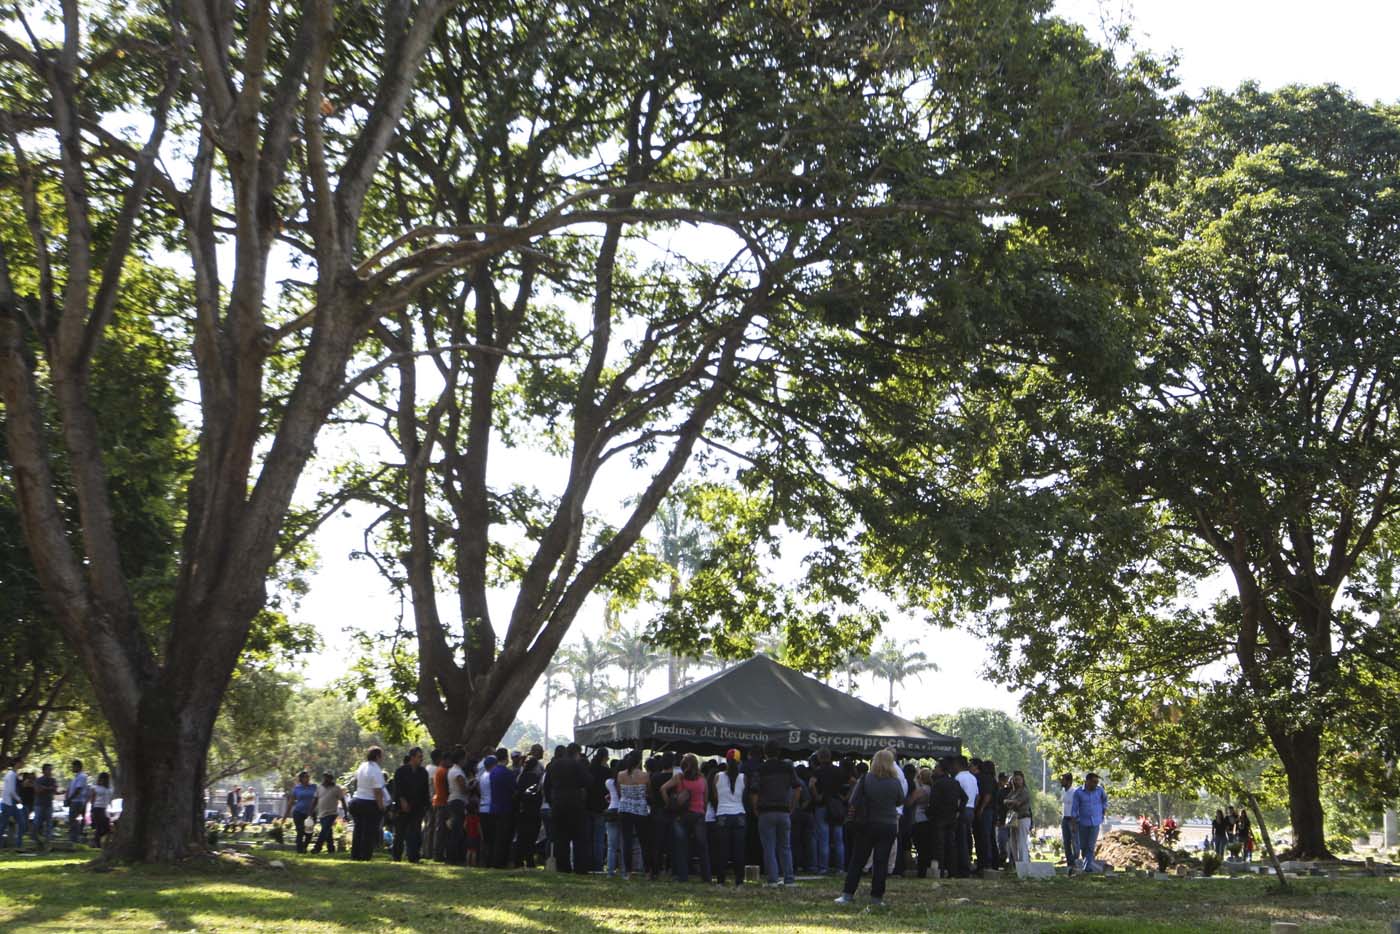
[{"x": 435, "y": 844}]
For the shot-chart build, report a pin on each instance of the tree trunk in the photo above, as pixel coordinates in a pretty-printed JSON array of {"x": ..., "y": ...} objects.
[
  {"x": 163, "y": 796},
  {"x": 1300, "y": 753}
]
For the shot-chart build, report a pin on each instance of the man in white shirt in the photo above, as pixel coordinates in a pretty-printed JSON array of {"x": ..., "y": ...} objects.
[
  {"x": 10, "y": 807},
  {"x": 76, "y": 799},
  {"x": 1068, "y": 831},
  {"x": 968, "y": 782},
  {"x": 368, "y": 804}
]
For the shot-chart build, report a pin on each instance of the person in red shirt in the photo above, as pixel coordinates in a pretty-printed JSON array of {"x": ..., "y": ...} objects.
[{"x": 438, "y": 848}]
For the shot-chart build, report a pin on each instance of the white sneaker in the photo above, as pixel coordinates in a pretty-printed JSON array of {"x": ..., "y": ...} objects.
[{"x": 844, "y": 899}]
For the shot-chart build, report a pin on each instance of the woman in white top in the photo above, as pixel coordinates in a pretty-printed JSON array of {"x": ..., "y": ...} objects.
[
  {"x": 613, "y": 827},
  {"x": 368, "y": 804},
  {"x": 633, "y": 812},
  {"x": 727, "y": 797},
  {"x": 101, "y": 800}
]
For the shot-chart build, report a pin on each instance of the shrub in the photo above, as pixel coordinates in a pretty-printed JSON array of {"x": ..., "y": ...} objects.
[
  {"x": 1210, "y": 862},
  {"x": 212, "y": 831}
]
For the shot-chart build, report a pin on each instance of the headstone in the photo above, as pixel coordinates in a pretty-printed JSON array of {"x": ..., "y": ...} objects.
[
  {"x": 1391, "y": 833},
  {"x": 1283, "y": 927},
  {"x": 750, "y": 873},
  {"x": 1029, "y": 870}
]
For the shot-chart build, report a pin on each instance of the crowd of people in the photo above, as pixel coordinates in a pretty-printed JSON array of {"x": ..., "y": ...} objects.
[
  {"x": 28, "y": 801},
  {"x": 1231, "y": 828},
  {"x": 681, "y": 816}
]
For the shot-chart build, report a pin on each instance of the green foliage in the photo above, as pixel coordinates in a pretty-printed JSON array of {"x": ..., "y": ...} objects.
[
  {"x": 993, "y": 734},
  {"x": 383, "y": 679},
  {"x": 732, "y": 599},
  {"x": 1248, "y": 439},
  {"x": 324, "y": 735}
]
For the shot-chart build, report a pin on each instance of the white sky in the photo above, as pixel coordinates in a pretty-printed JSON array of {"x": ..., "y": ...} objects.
[{"x": 1220, "y": 43}]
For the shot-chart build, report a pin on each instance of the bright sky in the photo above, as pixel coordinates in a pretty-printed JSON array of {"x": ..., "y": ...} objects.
[{"x": 1220, "y": 43}]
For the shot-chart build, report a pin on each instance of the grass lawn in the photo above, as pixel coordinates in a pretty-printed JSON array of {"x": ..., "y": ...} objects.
[{"x": 319, "y": 894}]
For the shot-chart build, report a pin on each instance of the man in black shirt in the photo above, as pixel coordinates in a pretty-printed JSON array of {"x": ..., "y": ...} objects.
[
  {"x": 984, "y": 831},
  {"x": 946, "y": 801},
  {"x": 829, "y": 809},
  {"x": 567, "y": 782},
  {"x": 413, "y": 796},
  {"x": 774, "y": 800}
]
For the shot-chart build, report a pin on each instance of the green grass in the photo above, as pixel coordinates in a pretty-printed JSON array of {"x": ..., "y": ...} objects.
[{"x": 334, "y": 895}]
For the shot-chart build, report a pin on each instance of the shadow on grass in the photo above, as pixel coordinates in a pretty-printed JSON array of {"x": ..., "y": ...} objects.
[{"x": 324, "y": 895}]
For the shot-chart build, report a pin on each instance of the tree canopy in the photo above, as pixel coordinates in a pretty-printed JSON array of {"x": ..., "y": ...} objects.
[{"x": 1192, "y": 570}]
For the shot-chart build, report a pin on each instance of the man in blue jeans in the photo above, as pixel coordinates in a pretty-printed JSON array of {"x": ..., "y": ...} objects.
[
  {"x": 45, "y": 787},
  {"x": 76, "y": 798},
  {"x": 829, "y": 814},
  {"x": 1069, "y": 834},
  {"x": 774, "y": 800},
  {"x": 1087, "y": 809}
]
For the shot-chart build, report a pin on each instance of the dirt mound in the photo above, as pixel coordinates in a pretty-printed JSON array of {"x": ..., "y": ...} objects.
[{"x": 1123, "y": 849}]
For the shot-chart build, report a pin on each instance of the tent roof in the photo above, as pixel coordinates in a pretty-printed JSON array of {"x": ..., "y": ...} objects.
[{"x": 757, "y": 700}]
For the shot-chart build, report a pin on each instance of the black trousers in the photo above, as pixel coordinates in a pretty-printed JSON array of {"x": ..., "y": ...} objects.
[
  {"x": 728, "y": 843},
  {"x": 366, "y": 837},
  {"x": 569, "y": 826},
  {"x": 498, "y": 853},
  {"x": 408, "y": 834},
  {"x": 634, "y": 827},
  {"x": 663, "y": 842},
  {"x": 877, "y": 839},
  {"x": 963, "y": 833},
  {"x": 455, "y": 836},
  {"x": 527, "y": 831}
]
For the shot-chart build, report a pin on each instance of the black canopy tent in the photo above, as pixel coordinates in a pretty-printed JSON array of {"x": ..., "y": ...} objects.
[{"x": 758, "y": 700}]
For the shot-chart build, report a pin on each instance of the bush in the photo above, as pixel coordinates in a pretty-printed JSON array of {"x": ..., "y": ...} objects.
[
  {"x": 212, "y": 831},
  {"x": 277, "y": 830},
  {"x": 1209, "y": 863},
  {"x": 1340, "y": 844},
  {"x": 1164, "y": 860}
]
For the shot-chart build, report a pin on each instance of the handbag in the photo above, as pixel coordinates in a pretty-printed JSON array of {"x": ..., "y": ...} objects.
[{"x": 858, "y": 811}]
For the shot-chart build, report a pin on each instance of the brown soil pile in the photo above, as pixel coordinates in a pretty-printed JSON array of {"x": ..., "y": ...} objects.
[{"x": 1122, "y": 849}]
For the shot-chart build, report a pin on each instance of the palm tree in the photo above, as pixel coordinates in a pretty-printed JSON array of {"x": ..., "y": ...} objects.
[
  {"x": 553, "y": 688},
  {"x": 585, "y": 663},
  {"x": 681, "y": 541},
  {"x": 896, "y": 666},
  {"x": 634, "y": 654},
  {"x": 851, "y": 665}
]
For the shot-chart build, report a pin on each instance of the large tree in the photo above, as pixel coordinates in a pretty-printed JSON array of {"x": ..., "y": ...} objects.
[
  {"x": 1203, "y": 555},
  {"x": 858, "y": 173},
  {"x": 264, "y": 151}
]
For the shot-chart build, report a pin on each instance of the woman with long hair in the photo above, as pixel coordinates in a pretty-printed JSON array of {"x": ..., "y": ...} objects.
[
  {"x": 1219, "y": 830},
  {"x": 917, "y": 802},
  {"x": 633, "y": 812},
  {"x": 684, "y": 795},
  {"x": 873, "y": 820},
  {"x": 727, "y": 798},
  {"x": 1018, "y": 818}
]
